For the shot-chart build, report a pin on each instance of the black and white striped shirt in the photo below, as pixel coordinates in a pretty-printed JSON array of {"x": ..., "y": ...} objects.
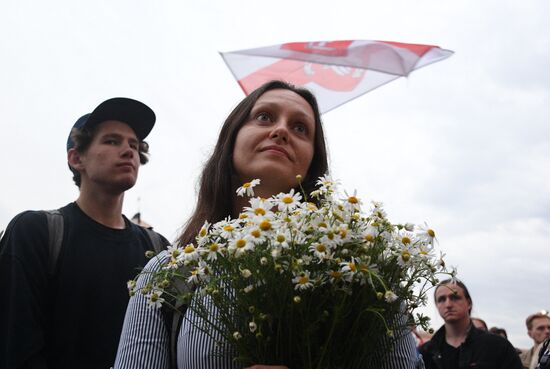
[{"x": 144, "y": 342}]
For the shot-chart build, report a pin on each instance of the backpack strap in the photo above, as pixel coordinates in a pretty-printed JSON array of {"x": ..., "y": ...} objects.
[
  {"x": 177, "y": 318},
  {"x": 158, "y": 243},
  {"x": 173, "y": 319},
  {"x": 55, "y": 237}
]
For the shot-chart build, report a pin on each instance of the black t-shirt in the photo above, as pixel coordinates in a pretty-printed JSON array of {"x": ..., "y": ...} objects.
[
  {"x": 73, "y": 319},
  {"x": 449, "y": 356}
]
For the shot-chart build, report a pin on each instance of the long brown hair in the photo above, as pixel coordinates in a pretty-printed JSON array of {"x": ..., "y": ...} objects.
[{"x": 215, "y": 198}]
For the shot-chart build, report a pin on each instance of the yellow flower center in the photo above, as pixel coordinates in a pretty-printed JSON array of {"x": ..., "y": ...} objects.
[
  {"x": 406, "y": 240},
  {"x": 175, "y": 253},
  {"x": 256, "y": 233},
  {"x": 336, "y": 274},
  {"x": 154, "y": 297},
  {"x": 259, "y": 211},
  {"x": 343, "y": 233},
  {"x": 352, "y": 267},
  {"x": 405, "y": 255},
  {"x": 228, "y": 228},
  {"x": 247, "y": 185},
  {"x": 214, "y": 247},
  {"x": 265, "y": 225},
  {"x": 322, "y": 225},
  {"x": 287, "y": 200},
  {"x": 240, "y": 243},
  {"x": 369, "y": 237},
  {"x": 353, "y": 200},
  {"x": 321, "y": 248},
  {"x": 243, "y": 216},
  {"x": 430, "y": 233},
  {"x": 202, "y": 233},
  {"x": 189, "y": 249},
  {"x": 281, "y": 238},
  {"x": 303, "y": 279}
]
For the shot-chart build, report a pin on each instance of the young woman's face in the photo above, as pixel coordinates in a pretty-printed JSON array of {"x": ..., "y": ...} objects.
[{"x": 276, "y": 143}]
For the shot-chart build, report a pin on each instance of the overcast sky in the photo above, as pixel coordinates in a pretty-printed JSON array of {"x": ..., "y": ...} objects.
[{"x": 463, "y": 144}]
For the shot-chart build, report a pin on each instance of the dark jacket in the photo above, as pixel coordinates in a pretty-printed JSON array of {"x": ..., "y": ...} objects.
[{"x": 480, "y": 350}]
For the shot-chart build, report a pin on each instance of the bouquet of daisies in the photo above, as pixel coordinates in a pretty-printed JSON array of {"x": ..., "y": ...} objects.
[{"x": 305, "y": 282}]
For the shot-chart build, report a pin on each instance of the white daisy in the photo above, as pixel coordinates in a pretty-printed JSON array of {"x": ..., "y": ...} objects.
[
  {"x": 190, "y": 252},
  {"x": 240, "y": 244},
  {"x": 202, "y": 237},
  {"x": 348, "y": 269},
  {"x": 426, "y": 234},
  {"x": 302, "y": 281},
  {"x": 154, "y": 299},
  {"x": 227, "y": 228},
  {"x": 259, "y": 207},
  {"x": 248, "y": 188},
  {"x": 326, "y": 184},
  {"x": 352, "y": 202},
  {"x": 320, "y": 250},
  {"x": 257, "y": 235},
  {"x": 213, "y": 250},
  {"x": 288, "y": 201},
  {"x": 281, "y": 239}
]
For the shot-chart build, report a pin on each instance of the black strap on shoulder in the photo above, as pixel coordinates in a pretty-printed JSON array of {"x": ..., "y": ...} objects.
[
  {"x": 55, "y": 236},
  {"x": 173, "y": 319},
  {"x": 158, "y": 243},
  {"x": 177, "y": 318}
]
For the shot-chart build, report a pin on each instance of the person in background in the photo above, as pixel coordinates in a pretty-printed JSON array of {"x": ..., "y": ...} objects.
[
  {"x": 499, "y": 332},
  {"x": 458, "y": 344},
  {"x": 538, "y": 328},
  {"x": 65, "y": 309},
  {"x": 480, "y": 324}
]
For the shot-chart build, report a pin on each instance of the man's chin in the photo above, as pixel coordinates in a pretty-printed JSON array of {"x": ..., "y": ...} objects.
[{"x": 123, "y": 186}]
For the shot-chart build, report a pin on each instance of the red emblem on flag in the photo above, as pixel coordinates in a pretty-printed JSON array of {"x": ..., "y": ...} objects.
[
  {"x": 331, "y": 77},
  {"x": 335, "y": 71}
]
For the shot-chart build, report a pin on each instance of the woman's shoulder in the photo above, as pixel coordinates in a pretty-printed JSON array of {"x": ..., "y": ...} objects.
[{"x": 157, "y": 262}]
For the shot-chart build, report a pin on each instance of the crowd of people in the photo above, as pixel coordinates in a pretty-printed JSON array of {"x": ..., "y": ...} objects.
[{"x": 63, "y": 273}]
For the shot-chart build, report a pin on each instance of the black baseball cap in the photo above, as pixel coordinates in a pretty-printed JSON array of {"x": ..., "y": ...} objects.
[{"x": 132, "y": 112}]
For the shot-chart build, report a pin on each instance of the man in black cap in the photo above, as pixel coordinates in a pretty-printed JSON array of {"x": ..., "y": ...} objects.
[{"x": 63, "y": 306}]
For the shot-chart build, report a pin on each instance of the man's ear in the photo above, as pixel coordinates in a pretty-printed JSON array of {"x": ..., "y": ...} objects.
[{"x": 74, "y": 159}]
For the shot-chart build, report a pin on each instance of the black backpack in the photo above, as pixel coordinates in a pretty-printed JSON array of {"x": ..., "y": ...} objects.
[
  {"x": 172, "y": 318},
  {"x": 55, "y": 234}
]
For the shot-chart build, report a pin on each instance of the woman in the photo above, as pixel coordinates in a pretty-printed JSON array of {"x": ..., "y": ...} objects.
[{"x": 274, "y": 134}]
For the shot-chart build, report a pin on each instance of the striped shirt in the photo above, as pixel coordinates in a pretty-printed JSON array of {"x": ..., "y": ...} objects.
[{"x": 144, "y": 342}]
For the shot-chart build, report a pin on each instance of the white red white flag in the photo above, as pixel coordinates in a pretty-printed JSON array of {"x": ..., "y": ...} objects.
[{"x": 335, "y": 71}]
